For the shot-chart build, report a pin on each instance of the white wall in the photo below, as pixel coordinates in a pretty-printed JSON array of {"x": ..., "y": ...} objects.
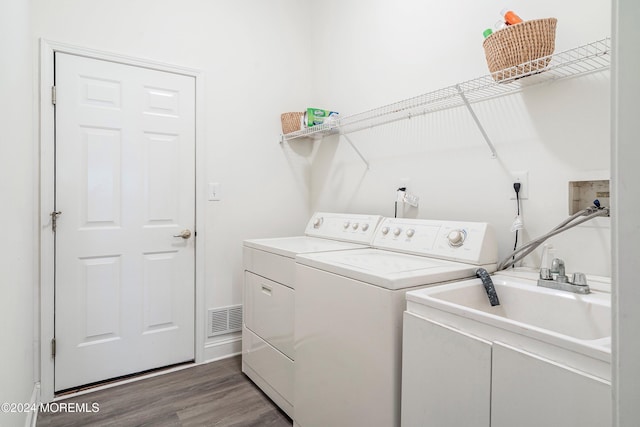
[
  {"x": 254, "y": 64},
  {"x": 371, "y": 53},
  {"x": 17, "y": 177}
]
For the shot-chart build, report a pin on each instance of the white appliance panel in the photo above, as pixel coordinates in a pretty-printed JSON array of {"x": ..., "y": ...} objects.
[
  {"x": 389, "y": 269},
  {"x": 345, "y": 227},
  {"x": 291, "y": 246},
  {"x": 266, "y": 264},
  {"x": 468, "y": 242},
  {"x": 268, "y": 311},
  {"x": 268, "y": 369},
  {"x": 383, "y": 262},
  {"x": 268, "y": 350},
  {"x": 348, "y": 361},
  {"x": 348, "y": 316}
]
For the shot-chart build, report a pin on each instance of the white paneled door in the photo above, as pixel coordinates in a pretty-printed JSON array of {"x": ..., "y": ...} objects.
[{"x": 125, "y": 247}]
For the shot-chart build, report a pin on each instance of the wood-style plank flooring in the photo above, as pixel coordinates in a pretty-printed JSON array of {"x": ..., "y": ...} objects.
[{"x": 214, "y": 394}]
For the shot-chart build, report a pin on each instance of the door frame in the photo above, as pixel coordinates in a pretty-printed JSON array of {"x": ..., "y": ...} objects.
[{"x": 47, "y": 194}]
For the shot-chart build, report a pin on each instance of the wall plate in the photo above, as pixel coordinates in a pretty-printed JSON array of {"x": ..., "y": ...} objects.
[{"x": 523, "y": 178}]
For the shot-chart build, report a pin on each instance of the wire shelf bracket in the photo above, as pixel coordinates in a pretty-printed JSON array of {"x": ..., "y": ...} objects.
[
  {"x": 477, "y": 121},
  {"x": 356, "y": 150}
]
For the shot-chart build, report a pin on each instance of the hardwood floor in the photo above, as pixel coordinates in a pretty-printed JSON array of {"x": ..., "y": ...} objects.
[{"x": 214, "y": 394}]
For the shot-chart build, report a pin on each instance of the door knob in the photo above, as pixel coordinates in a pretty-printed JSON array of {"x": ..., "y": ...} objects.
[{"x": 185, "y": 234}]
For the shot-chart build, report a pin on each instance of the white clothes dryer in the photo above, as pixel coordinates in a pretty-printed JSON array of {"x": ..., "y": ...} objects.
[
  {"x": 268, "y": 297},
  {"x": 348, "y": 316}
]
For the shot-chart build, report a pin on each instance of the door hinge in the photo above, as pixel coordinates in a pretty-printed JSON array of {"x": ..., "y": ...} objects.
[
  {"x": 53, "y": 95},
  {"x": 53, "y": 347},
  {"x": 54, "y": 220}
]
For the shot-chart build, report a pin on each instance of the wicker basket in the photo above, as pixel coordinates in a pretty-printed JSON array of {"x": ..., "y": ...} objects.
[
  {"x": 291, "y": 122},
  {"x": 519, "y": 44}
]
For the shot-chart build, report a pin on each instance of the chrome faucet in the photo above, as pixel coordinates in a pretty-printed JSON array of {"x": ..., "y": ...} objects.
[{"x": 556, "y": 278}]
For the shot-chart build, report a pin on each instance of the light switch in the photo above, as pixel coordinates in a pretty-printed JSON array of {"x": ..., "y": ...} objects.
[{"x": 214, "y": 191}]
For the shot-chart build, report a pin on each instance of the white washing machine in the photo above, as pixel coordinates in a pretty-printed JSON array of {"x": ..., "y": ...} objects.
[
  {"x": 268, "y": 298},
  {"x": 348, "y": 316}
]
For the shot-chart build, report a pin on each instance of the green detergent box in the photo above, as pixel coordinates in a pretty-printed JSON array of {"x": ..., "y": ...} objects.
[{"x": 318, "y": 116}]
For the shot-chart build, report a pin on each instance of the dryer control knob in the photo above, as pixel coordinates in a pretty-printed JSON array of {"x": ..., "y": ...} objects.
[
  {"x": 411, "y": 232},
  {"x": 355, "y": 225},
  {"x": 385, "y": 230},
  {"x": 397, "y": 231},
  {"x": 365, "y": 227},
  {"x": 456, "y": 237},
  {"x": 346, "y": 224}
]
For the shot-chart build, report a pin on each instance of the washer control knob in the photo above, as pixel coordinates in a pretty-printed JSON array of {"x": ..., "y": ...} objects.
[
  {"x": 385, "y": 230},
  {"x": 456, "y": 237},
  {"x": 346, "y": 224},
  {"x": 397, "y": 231},
  {"x": 365, "y": 227},
  {"x": 411, "y": 232},
  {"x": 355, "y": 225},
  {"x": 317, "y": 222}
]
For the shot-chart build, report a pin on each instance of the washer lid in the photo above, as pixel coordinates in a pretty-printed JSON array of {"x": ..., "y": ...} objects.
[
  {"x": 387, "y": 269},
  {"x": 291, "y": 246}
]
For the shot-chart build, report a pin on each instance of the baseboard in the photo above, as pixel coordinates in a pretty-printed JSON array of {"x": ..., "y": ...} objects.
[
  {"x": 32, "y": 416},
  {"x": 223, "y": 348}
]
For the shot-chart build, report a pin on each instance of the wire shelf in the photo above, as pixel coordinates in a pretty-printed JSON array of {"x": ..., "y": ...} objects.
[{"x": 574, "y": 62}]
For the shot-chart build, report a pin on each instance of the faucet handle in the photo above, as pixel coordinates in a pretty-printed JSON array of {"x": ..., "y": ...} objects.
[
  {"x": 579, "y": 279},
  {"x": 545, "y": 274}
]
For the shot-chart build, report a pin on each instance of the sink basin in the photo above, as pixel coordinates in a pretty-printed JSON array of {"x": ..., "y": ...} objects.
[
  {"x": 583, "y": 317},
  {"x": 578, "y": 323}
]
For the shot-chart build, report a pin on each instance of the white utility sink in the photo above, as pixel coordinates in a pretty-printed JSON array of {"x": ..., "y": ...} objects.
[
  {"x": 577, "y": 323},
  {"x": 540, "y": 358}
]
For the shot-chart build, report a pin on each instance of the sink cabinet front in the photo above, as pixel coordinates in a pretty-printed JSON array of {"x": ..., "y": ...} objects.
[
  {"x": 452, "y": 378},
  {"x": 446, "y": 376},
  {"x": 531, "y": 391}
]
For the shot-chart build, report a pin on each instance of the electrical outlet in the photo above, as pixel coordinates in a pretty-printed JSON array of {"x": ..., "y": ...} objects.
[{"x": 523, "y": 178}]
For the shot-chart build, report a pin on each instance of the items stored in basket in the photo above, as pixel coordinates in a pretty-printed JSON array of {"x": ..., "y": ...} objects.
[{"x": 529, "y": 43}]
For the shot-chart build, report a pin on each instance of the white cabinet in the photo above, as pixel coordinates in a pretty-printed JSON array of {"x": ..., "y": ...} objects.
[
  {"x": 452, "y": 378},
  {"x": 532, "y": 391},
  {"x": 446, "y": 376}
]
